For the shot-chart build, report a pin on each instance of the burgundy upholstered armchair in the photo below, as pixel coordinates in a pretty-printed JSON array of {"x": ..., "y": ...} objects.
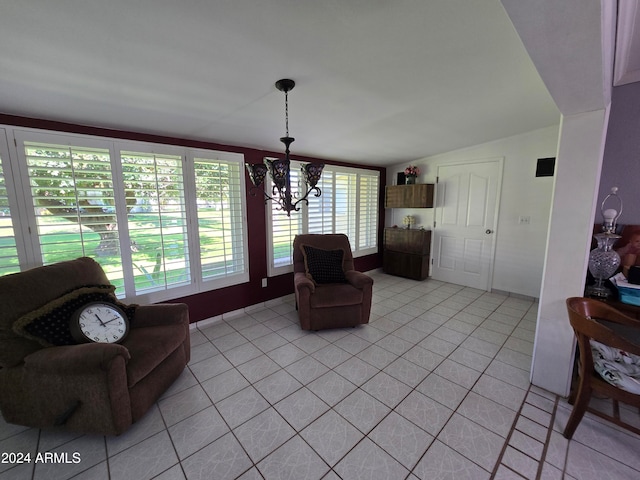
[
  {"x": 329, "y": 292},
  {"x": 90, "y": 387}
]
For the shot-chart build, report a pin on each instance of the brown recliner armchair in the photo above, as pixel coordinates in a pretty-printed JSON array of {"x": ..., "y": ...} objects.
[
  {"x": 92, "y": 387},
  {"x": 324, "y": 301}
]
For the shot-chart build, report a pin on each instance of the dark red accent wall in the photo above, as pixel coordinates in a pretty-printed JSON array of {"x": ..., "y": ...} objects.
[{"x": 216, "y": 302}]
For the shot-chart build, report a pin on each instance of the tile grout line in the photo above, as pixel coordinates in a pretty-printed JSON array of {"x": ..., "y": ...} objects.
[
  {"x": 508, "y": 438},
  {"x": 358, "y": 387},
  {"x": 548, "y": 441}
]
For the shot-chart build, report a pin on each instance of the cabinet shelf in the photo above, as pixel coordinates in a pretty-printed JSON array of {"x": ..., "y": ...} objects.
[
  {"x": 407, "y": 252},
  {"x": 409, "y": 196}
]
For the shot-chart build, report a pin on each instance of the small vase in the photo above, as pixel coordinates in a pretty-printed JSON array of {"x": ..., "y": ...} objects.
[
  {"x": 411, "y": 179},
  {"x": 603, "y": 263}
]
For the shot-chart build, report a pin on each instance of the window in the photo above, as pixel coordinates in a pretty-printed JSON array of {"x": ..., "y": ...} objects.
[
  {"x": 369, "y": 193},
  {"x": 335, "y": 211},
  {"x": 283, "y": 227},
  {"x": 73, "y": 203},
  {"x": 162, "y": 221},
  {"x": 348, "y": 204},
  {"x": 156, "y": 219},
  {"x": 8, "y": 249},
  {"x": 221, "y": 225}
]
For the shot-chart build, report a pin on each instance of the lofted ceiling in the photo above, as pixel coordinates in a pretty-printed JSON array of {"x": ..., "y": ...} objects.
[{"x": 378, "y": 81}]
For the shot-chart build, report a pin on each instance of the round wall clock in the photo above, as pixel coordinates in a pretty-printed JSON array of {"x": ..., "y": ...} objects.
[{"x": 99, "y": 322}]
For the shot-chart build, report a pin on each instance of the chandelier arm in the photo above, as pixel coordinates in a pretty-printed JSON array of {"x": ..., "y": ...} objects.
[
  {"x": 253, "y": 191},
  {"x": 267, "y": 197},
  {"x": 306, "y": 195}
]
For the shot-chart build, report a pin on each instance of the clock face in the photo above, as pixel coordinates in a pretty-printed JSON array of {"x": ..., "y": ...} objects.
[{"x": 100, "y": 322}]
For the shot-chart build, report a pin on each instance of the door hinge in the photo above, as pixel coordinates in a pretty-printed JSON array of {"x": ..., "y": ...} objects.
[
  {"x": 437, "y": 179},
  {"x": 15, "y": 142},
  {"x": 434, "y": 224},
  {"x": 432, "y": 261}
]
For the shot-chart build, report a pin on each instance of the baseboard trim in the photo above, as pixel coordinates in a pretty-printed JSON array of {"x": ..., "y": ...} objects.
[{"x": 515, "y": 295}]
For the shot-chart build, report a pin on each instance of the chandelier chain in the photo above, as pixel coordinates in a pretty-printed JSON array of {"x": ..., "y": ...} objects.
[{"x": 286, "y": 111}]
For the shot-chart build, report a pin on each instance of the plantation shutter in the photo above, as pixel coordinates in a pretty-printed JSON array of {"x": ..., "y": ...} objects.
[
  {"x": 320, "y": 211},
  {"x": 284, "y": 228},
  {"x": 348, "y": 204},
  {"x": 335, "y": 210},
  {"x": 346, "y": 199},
  {"x": 220, "y": 220},
  {"x": 368, "y": 212},
  {"x": 157, "y": 219},
  {"x": 74, "y": 205},
  {"x": 8, "y": 251}
]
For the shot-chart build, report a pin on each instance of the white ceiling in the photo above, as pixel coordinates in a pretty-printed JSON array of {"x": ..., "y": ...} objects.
[{"x": 378, "y": 81}]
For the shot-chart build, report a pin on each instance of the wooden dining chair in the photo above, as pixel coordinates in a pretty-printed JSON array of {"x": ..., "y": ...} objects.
[{"x": 595, "y": 320}]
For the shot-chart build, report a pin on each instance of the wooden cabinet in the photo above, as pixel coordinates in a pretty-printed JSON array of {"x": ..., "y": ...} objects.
[
  {"x": 406, "y": 252},
  {"x": 409, "y": 196}
]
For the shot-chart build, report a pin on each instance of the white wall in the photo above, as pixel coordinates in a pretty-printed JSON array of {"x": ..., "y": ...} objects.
[
  {"x": 520, "y": 248},
  {"x": 580, "y": 153}
]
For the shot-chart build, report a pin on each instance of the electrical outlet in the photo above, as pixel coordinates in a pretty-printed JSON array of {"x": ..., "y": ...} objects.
[
  {"x": 264, "y": 282},
  {"x": 524, "y": 220}
]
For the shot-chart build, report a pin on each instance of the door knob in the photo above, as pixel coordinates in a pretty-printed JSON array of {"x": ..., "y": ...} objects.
[{"x": 488, "y": 231}]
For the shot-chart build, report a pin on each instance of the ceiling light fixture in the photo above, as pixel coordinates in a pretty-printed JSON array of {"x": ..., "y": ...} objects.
[{"x": 280, "y": 169}]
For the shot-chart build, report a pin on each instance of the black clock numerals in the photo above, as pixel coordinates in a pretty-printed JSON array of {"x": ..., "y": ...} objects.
[{"x": 100, "y": 323}]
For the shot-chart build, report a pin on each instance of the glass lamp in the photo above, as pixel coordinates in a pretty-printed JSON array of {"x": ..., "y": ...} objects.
[{"x": 604, "y": 260}]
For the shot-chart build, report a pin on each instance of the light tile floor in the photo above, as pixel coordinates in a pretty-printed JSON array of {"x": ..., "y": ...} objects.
[{"x": 435, "y": 387}]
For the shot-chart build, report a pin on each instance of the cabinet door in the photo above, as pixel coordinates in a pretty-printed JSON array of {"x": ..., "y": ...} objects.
[
  {"x": 409, "y": 196},
  {"x": 405, "y": 265},
  {"x": 422, "y": 195},
  {"x": 417, "y": 242},
  {"x": 396, "y": 196}
]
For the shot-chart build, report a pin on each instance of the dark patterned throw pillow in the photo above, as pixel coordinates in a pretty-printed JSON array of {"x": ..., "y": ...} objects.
[
  {"x": 324, "y": 266},
  {"x": 49, "y": 324}
]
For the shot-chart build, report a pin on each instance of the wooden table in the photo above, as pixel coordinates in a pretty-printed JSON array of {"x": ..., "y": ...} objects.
[{"x": 629, "y": 310}]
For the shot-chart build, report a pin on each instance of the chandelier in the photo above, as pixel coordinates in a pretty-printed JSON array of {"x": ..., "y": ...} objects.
[{"x": 280, "y": 169}]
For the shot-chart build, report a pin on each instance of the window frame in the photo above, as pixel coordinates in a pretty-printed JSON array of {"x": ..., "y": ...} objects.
[
  {"x": 29, "y": 243},
  {"x": 20, "y": 229},
  {"x": 192, "y": 211},
  {"x": 272, "y": 269}
]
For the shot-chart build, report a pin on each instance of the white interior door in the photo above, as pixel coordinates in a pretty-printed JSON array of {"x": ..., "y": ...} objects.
[{"x": 466, "y": 218}]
